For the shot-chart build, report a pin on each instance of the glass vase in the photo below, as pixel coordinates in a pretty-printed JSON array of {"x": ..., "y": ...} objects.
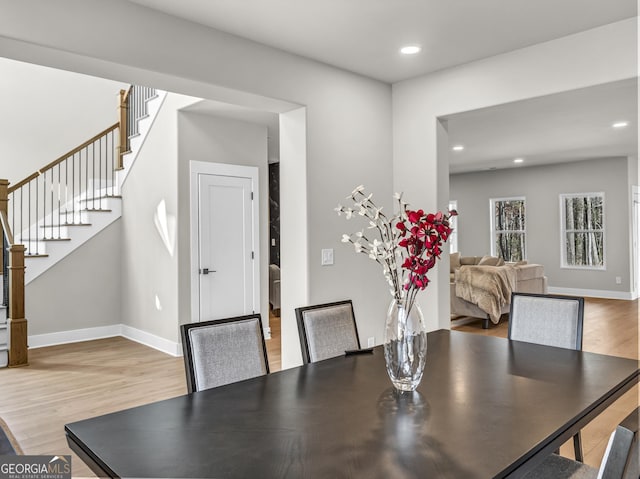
[{"x": 405, "y": 345}]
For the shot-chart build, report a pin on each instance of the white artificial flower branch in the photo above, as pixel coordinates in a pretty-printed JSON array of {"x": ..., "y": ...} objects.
[{"x": 383, "y": 250}]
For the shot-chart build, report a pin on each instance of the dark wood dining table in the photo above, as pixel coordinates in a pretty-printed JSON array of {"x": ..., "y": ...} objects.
[{"x": 486, "y": 407}]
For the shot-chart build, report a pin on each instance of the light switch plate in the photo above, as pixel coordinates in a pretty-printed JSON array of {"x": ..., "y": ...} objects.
[{"x": 327, "y": 257}]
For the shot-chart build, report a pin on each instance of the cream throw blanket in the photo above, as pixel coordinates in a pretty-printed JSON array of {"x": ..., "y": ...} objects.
[{"x": 488, "y": 287}]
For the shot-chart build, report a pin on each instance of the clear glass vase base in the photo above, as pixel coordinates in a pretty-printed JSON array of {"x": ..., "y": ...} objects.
[
  {"x": 405, "y": 346},
  {"x": 405, "y": 361}
]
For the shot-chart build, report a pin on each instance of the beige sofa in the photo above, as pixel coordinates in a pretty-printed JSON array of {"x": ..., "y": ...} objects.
[{"x": 530, "y": 278}]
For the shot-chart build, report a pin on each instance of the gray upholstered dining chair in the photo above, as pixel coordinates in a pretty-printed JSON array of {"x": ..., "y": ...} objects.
[
  {"x": 223, "y": 351},
  {"x": 327, "y": 330},
  {"x": 547, "y": 319},
  {"x": 550, "y": 320},
  {"x": 620, "y": 460}
]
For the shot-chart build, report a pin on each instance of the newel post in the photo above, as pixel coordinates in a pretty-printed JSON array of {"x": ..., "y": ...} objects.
[
  {"x": 17, "y": 323},
  {"x": 122, "y": 129}
]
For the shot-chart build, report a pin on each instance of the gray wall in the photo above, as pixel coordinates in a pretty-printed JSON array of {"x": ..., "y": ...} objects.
[
  {"x": 82, "y": 291},
  {"x": 48, "y": 112},
  {"x": 220, "y": 140},
  {"x": 542, "y": 186},
  {"x": 149, "y": 268}
]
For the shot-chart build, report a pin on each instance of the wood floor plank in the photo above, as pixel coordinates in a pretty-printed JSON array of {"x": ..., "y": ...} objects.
[{"x": 72, "y": 382}]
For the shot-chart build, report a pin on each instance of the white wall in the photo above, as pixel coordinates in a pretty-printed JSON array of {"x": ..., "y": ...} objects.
[
  {"x": 149, "y": 269},
  {"x": 220, "y": 140},
  {"x": 541, "y": 186},
  {"x": 348, "y": 120},
  {"x": 589, "y": 58},
  {"x": 48, "y": 112},
  {"x": 83, "y": 291}
]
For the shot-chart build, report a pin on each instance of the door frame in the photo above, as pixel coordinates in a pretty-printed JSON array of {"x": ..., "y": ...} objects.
[
  {"x": 635, "y": 242},
  {"x": 197, "y": 168}
]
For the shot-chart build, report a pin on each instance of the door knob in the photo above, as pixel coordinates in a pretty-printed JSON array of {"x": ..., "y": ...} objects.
[{"x": 205, "y": 271}]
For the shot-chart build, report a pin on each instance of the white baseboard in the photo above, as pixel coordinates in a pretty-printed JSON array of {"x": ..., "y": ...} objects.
[
  {"x": 594, "y": 293},
  {"x": 73, "y": 336},
  {"x": 156, "y": 342},
  {"x": 76, "y": 335}
]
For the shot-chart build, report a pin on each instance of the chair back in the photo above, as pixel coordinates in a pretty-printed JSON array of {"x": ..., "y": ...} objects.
[
  {"x": 620, "y": 460},
  {"x": 223, "y": 351},
  {"x": 547, "y": 319},
  {"x": 327, "y": 330}
]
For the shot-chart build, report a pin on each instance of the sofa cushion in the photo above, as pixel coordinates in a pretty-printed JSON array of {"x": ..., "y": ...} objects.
[
  {"x": 469, "y": 260},
  {"x": 489, "y": 261},
  {"x": 529, "y": 271},
  {"x": 454, "y": 261}
]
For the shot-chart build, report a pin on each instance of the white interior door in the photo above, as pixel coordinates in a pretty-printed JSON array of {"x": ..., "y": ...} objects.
[{"x": 225, "y": 247}]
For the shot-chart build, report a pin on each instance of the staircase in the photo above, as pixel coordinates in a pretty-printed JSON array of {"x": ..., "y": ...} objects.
[{"x": 58, "y": 208}]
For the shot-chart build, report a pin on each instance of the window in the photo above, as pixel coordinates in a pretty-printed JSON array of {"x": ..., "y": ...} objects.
[
  {"x": 582, "y": 225},
  {"x": 453, "y": 222},
  {"x": 508, "y": 228}
]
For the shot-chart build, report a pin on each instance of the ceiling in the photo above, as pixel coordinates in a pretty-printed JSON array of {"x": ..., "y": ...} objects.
[
  {"x": 364, "y": 36},
  {"x": 570, "y": 126}
]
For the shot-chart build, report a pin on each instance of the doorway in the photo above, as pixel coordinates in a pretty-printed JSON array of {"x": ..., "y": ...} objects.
[{"x": 225, "y": 265}]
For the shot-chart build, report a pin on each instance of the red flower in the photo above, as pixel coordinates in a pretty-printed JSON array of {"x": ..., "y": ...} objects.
[{"x": 414, "y": 216}]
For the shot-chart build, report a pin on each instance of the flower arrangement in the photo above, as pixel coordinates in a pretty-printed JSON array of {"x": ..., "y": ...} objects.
[{"x": 406, "y": 244}]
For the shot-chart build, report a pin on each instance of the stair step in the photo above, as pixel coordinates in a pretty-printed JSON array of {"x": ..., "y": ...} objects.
[
  {"x": 98, "y": 210},
  {"x": 103, "y": 197},
  {"x": 64, "y": 225},
  {"x": 68, "y": 213},
  {"x": 36, "y": 255},
  {"x": 54, "y": 239}
]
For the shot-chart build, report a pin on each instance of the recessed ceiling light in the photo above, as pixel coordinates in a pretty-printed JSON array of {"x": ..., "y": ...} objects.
[
  {"x": 458, "y": 148},
  {"x": 410, "y": 50},
  {"x": 518, "y": 160},
  {"x": 620, "y": 124}
]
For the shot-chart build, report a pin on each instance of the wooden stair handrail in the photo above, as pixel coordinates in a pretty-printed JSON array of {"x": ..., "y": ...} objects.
[
  {"x": 123, "y": 109},
  {"x": 62, "y": 158},
  {"x": 6, "y": 229}
]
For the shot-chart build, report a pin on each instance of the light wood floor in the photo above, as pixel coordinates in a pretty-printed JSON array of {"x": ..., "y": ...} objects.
[{"x": 68, "y": 383}]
